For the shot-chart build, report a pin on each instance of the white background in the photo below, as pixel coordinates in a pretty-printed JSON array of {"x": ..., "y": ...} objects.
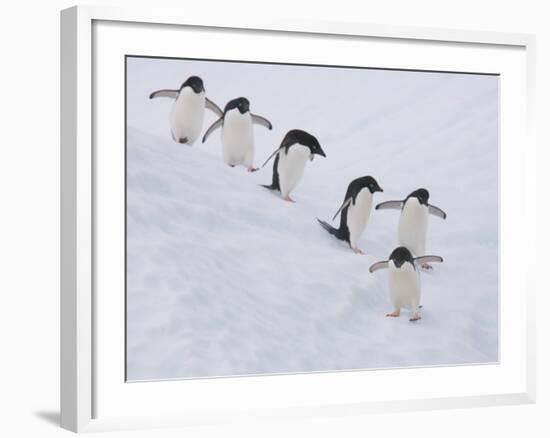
[{"x": 29, "y": 219}]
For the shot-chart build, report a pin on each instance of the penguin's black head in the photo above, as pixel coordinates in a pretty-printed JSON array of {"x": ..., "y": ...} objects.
[
  {"x": 401, "y": 255},
  {"x": 306, "y": 139},
  {"x": 421, "y": 194},
  {"x": 367, "y": 182},
  {"x": 315, "y": 148},
  {"x": 241, "y": 103},
  {"x": 195, "y": 83}
]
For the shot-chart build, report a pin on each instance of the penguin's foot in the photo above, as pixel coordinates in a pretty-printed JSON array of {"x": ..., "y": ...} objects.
[
  {"x": 231, "y": 165},
  {"x": 415, "y": 318},
  {"x": 252, "y": 169},
  {"x": 288, "y": 199},
  {"x": 357, "y": 251},
  {"x": 426, "y": 266},
  {"x": 394, "y": 314},
  {"x": 182, "y": 140}
]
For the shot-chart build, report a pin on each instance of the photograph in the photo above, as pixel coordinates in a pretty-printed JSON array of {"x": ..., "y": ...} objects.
[{"x": 298, "y": 218}]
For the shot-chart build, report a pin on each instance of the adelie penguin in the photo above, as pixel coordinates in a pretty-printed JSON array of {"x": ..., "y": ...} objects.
[
  {"x": 237, "y": 133},
  {"x": 290, "y": 161},
  {"x": 355, "y": 211},
  {"x": 404, "y": 280},
  {"x": 413, "y": 222},
  {"x": 187, "y": 113}
]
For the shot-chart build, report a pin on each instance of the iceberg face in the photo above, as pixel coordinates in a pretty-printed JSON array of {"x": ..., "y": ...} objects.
[{"x": 225, "y": 278}]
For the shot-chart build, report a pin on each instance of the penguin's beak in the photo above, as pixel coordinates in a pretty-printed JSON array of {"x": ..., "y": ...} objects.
[
  {"x": 379, "y": 189},
  {"x": 321, "y": 152},
  {"x": 197, "y": 88}
]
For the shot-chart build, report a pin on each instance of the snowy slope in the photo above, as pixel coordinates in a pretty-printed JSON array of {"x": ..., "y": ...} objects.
[{"x": 224, "y": 278}]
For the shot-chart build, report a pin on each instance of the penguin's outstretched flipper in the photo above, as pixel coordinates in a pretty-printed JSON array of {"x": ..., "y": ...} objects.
[
  {"x": 213, "y": 107},
  {"x": 271, "y": 156},
  {"x": 422, "y": 260},
  {"x": 379, "y": 265},
  {"x": 344, "y": 205},
  {"x": 259, "y": 120},
  {"x": 436, "y": 211},
  {"x": 393, "y": 205},
  {"x": 172, "y": 94},
  {"x": 212, "y": 128}
]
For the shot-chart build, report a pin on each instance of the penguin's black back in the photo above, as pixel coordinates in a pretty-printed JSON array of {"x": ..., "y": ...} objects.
[
  {"x": 343, "y": 230},
  {"x": 353, "y": 189},
  {"x": 275, "y": 182}
]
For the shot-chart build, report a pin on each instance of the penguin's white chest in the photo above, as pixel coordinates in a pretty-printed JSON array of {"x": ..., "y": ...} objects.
[
  {"x": 404, "y": 286},
  {"x": 358, "y": 215},
  {"x": 413, "y": 225},
  {"x": 187, "y": 115},
  {"x": 291, "y": 167},
  {"x": 238, "y": 138}
]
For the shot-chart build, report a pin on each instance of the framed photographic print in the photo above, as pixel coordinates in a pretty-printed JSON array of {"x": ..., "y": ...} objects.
[{"x": 265, "y": 219}]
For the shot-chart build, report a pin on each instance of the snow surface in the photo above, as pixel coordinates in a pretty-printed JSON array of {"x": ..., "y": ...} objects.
[{"x": 224, "y": 278}]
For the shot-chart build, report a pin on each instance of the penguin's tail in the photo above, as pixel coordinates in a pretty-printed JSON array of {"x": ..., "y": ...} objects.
[
  {"x": 336, "y": 232},
  {"x": 270, "y": 187}
]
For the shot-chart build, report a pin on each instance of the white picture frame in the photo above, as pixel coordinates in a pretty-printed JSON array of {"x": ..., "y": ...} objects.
[{"x": 85, "y": 376}]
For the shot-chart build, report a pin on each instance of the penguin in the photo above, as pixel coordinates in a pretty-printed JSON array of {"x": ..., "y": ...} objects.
[
  {"x": 187, "y": 113},
  {"x": 404, "y": 280},
  {"x": 355, "y": 211},
  {"x": 290, "y": 161},
  {"x": 413, "y": 222},
  {"x": 237, "y": 134}
]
